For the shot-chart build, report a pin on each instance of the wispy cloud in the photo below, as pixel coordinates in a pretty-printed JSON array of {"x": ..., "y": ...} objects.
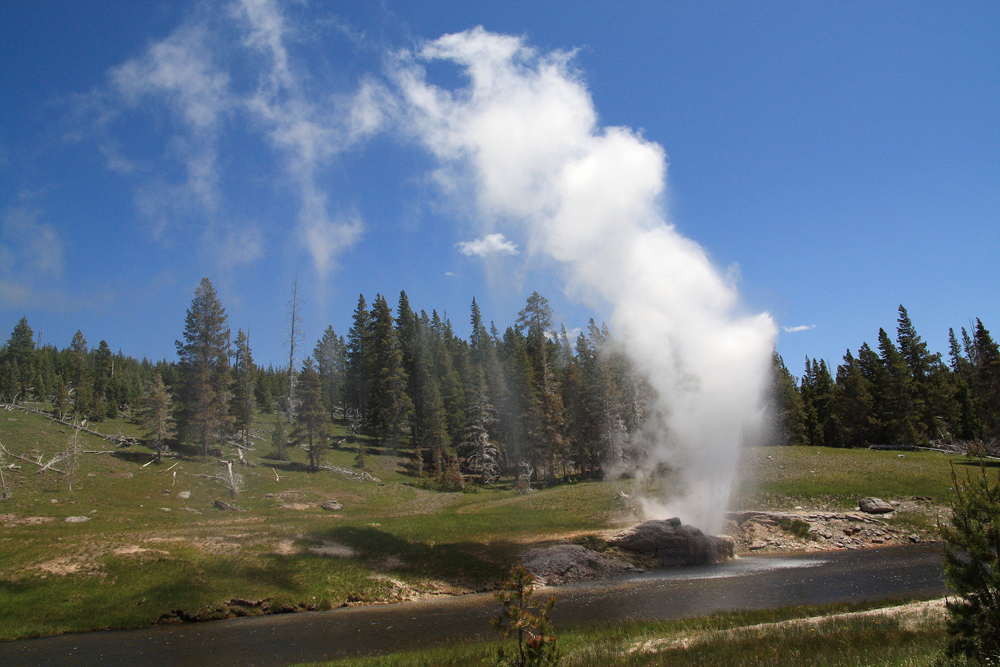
[
  {"x": 491, "y": 244},
  {"x": 29, "y": 245},
  {"x": 801, "y": 327},
  {"x": 227, "y": 77}
]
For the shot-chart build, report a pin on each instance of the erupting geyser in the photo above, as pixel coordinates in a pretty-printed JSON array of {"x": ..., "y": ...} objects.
[{"x": 523, "y": 142}]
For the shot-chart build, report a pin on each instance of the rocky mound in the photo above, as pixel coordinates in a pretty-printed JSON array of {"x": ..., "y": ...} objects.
[
  {"x": 566, "y": 563},
  {"x": 669, "y": 543}
]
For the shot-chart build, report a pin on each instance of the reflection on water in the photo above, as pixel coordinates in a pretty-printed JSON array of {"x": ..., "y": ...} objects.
[{"x": 734, "y": 568}]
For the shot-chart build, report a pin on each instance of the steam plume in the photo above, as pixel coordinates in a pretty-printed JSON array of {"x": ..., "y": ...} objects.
[{"x": 523, "y": 140}]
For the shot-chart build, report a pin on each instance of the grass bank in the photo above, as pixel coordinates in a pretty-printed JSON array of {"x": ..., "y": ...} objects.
[
  {"x": 830, "y": 635},
  {"x": 154, "y": 544}
]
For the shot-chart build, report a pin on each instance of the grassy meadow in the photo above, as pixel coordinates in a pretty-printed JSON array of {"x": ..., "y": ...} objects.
[{"x": 145, "y": 552}]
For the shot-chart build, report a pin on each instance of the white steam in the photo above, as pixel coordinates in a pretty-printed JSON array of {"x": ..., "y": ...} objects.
[{"x": 522, "y": 138}]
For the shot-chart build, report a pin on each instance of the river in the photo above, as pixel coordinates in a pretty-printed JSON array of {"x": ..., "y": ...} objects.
[{"x": 751, "y": 582}]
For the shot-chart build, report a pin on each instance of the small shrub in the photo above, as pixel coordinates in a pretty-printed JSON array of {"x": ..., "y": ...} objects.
[
  {"x": 536, "y": 641},
  {"x": 594, "y": 543},
  {"x": 797, "y": 527},
  {"x": 972, "y": 568}
]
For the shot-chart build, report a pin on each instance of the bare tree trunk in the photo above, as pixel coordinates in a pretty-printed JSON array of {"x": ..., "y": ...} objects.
[{"x": 294, "y": 336}]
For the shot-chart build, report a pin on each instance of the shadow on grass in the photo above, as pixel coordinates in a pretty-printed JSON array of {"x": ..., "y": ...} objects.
[
  {"x": 978, "y": 463},
  {"x": 462, "y": 563}
]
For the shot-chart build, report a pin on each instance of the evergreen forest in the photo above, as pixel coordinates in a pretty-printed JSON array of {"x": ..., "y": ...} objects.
[{"x": 523, "y": 405}]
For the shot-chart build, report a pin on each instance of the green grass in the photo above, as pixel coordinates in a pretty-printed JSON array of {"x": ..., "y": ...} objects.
[
  {"x": 143, "y": 546},
  {"x": 726, "y": 639},
  {"x": 841, "y": 476}
]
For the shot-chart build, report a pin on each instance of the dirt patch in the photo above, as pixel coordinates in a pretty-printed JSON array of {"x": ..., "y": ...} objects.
[
  {"x": 334, "y": 550},
  {"x": 69, "y": 565},
  {"x": 14, "y": 520},
  {"x": 286, "y": 548},
  {"x": 297, "y": 506},
  {"x": 136, "y": 550}
]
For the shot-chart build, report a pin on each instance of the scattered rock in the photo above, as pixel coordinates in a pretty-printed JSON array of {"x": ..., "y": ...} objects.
[
  {"x": 222, "y": 505},
  {"x": 669, "y": 543},
  {"x": 874, "y": 506},
  {"x": 53, "y": 500},
  {"x": 184, "y": 495},
  {"x": 331, "y": 506},
  {"x": 914, "y": 538},
  {"x": 566, "y": 563},
  {"x": 77, "y": 519}
]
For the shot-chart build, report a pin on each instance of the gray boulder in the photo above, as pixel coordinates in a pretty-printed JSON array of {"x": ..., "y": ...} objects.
[
  {"x": 331, "y": 506},
  {"x": 875, "y": 506},
  {"x": 668, "y": 543}
]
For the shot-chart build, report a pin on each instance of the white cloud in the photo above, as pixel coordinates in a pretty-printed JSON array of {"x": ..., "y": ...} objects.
[
  {"x": 801, "y": 327},
  {"x": 194, "y": 84},
  {"x": 28, "y": 245},
  {"x": 491, "y": 244}
]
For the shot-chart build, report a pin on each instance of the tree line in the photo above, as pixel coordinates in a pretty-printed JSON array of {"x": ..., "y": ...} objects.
[
  {"x": 897, "y": 394},
  {"x": 526, "y": 404}
]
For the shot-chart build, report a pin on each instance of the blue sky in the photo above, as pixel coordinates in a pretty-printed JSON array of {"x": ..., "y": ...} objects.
[{"x": 831, "y": 160}]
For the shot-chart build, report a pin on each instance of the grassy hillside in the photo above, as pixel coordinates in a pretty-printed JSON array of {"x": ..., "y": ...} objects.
[{"x": 145, "y": 551}]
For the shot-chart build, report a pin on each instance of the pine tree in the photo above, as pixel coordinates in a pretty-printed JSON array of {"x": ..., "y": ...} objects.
[
  {"x": 789, "y": 414},
  {"x": 310, "y": 431},
  {"x": 103, "y": 369},
  {"x": 853, "y": 405},
  {"x": 358, "y": 380},
  {"x": 279, "y": 441},
  {"x": 817, "y": 392},
  {"x": 155, "y": 416},
  {"x": 987, "y": 380},
  {"x": 389, "y": 404},
  {"x": 898, "y": 415},
  {"x": 62, "y": 402},
  {"x": 204, "y": 368},
  {"x": 19, "y": 353},
  {"x": 479, "y": 448},
  {"x": 331, "y": 362},
  {"x": 972, "y": 568},
  {"x": 407, "y": 335},
  {"x": 244, "y": 381}
]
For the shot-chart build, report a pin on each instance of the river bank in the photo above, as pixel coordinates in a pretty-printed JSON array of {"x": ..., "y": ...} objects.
[{"x": 751, "y": 582}]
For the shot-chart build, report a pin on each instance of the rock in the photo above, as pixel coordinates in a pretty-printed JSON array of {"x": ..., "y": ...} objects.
[
  {"x": 184, "y": 495},
  {"x": 874, "y": 506},
  {"x": 222, "y": 505},
  {"x": 670, "y": 543},
  {"x": 331, "y": 505},
  {"x": 914, "y": 538},
  {"x": 566, "y": 563},
  {"x": 77, "y": 519}
]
